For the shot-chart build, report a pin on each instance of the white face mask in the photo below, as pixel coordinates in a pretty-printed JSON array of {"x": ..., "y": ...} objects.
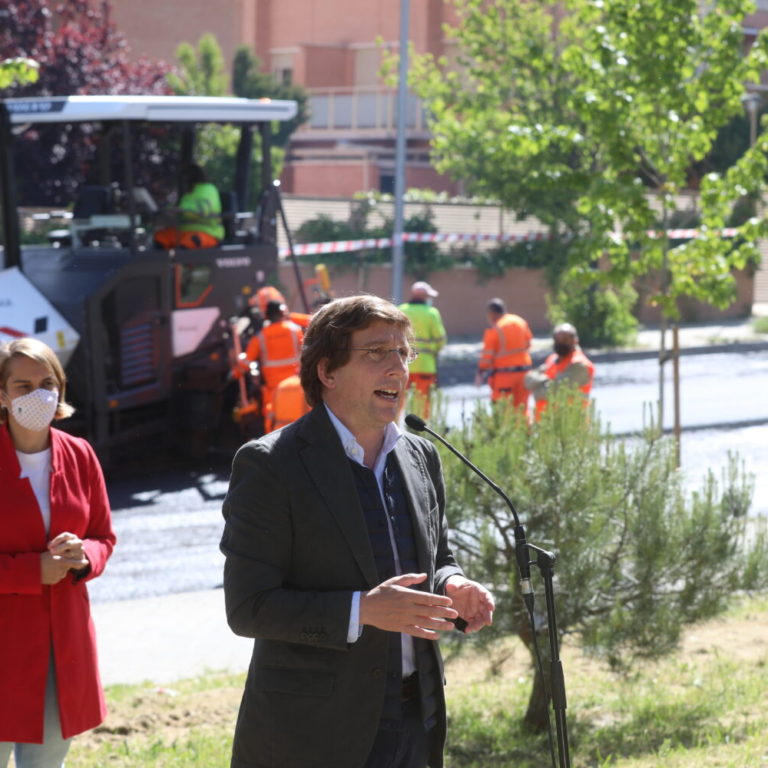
[{"x": 35, "y": 411}]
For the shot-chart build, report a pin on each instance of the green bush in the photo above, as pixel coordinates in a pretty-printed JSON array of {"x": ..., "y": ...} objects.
[
  {"x": 420, "y": 258},
  {"x": 638, "y": 556},
  {"x": 602, "y": 314}
]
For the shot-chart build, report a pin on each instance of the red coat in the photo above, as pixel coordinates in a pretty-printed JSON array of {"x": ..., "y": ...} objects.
[{"x": 32, "y": 616}]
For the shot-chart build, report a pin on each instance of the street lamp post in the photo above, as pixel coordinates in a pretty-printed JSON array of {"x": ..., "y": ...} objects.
[
  {"x": 398, "y": 251},
  {"x": 751, "y": 102}
]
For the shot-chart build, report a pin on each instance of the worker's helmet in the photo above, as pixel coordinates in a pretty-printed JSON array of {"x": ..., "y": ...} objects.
[{"x": 264, "y": 295}]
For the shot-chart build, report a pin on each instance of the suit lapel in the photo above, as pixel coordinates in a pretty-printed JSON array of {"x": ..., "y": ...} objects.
[{"x": 324, "y": 460}]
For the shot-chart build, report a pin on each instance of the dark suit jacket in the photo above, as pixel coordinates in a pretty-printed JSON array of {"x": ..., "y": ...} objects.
[{"x": 296, "y": 547}]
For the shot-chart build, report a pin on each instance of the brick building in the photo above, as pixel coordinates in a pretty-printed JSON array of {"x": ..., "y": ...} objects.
[{"x": 334, "y": 49}]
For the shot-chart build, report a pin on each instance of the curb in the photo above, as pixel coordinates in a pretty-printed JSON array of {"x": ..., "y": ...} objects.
[{"x": 730, "y": 348}]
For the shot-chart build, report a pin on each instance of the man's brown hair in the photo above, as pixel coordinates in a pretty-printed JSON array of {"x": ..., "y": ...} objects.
[{"x": 330, "y": 331}]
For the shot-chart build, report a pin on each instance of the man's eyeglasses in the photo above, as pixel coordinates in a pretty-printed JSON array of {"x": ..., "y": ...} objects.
[{"x": 377, "y": 354}]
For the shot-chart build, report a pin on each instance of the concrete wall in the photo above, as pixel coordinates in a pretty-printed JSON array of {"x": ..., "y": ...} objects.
[
  {"x": 463, "y": 296},
  {"x": 465, "y": 218},
  {"x": 334, "y": 173}
]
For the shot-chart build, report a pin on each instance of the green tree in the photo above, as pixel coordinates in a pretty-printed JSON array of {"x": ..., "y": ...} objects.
[
  {"x": 638, "y": 557},
  {"x": 19, "y": 70},
  {"x": 575, "y": 116},
  {"x": 202, "y": 70},
  {"x": 250, "y": 82}
]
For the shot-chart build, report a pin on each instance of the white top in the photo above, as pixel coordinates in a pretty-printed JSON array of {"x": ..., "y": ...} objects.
[{"x": 37, "y": 467}]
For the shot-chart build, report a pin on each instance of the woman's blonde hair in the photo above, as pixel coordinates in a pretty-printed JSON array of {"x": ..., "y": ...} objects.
[{"x": 41, "y": 353}]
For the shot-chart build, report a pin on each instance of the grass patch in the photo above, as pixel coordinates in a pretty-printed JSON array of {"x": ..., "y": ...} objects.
[
  {"x": 706, "y": 705},
  {"x": 760, "y": 325}
]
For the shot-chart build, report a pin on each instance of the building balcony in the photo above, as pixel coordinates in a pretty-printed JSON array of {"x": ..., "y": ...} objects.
[{"x": 362, "y": 113}]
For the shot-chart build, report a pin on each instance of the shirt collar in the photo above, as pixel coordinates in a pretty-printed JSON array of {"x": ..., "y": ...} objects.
[{"x": 353, "y": 449}]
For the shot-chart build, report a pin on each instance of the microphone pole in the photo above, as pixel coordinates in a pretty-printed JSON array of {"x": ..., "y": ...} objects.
[
  {"x": 545, "y": 561},
  {"x": 521, "y": 546}
]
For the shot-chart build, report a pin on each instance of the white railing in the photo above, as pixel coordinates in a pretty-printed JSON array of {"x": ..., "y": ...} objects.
[{"x": 360, "y": 109}]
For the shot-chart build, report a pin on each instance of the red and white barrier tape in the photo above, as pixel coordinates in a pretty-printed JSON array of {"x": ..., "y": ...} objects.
[
  {"x": 347, "y": 246},
  {"x": 688, "y": 234}
]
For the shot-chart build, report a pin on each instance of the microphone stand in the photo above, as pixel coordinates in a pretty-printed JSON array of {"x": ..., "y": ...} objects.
[
  {"x": 521, "y": 554},
  {"x": 545, "y": 561}
]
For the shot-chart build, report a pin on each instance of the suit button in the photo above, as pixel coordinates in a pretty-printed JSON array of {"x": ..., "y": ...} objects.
[{"x": 377, "y": 672}]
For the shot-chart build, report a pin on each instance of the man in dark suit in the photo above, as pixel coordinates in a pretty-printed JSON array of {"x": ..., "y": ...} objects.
[{"x": 338, "y": 564}]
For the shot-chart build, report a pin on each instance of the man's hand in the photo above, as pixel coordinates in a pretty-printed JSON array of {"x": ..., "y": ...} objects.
[
  {"x": 395, "y": 608},
  {"x": 479, "y": 379},
  {"x": 473, "y": 601}
]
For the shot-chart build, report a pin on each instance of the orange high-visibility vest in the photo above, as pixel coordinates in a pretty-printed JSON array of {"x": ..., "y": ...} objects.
[
  {"x": 505, "y": 344},
  {"x": 505, "y": 358},
  {"x": 288, "y": 402},
  {"x": 277, "y": 348},
  {"x": 554, "y": 366}
]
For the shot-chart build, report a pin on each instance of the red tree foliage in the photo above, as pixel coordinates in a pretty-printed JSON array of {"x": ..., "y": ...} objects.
[
  {"x": 80, "y": 52},
  {"x": 78, "y": 48}
]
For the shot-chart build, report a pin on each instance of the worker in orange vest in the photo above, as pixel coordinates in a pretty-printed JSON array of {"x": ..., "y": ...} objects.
[
  {"x": 505, "y": 359},
  {"x": 566, "y": 364},
  {"x": 276, "y": 348},
  {"x": 288, "y": 403}
]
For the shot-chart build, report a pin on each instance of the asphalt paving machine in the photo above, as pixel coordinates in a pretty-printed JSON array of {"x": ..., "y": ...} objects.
[{"x": 144, "y": 333}]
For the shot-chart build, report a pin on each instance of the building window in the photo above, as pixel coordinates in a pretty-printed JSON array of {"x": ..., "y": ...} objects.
[
  {"x": 193, "y": 284},
  {"x": 387, "y": 183},
  {"x": 284, "y": 76}
]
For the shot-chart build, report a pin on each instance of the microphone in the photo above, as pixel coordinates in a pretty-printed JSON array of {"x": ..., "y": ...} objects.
[{"x": 521, "y": 546}]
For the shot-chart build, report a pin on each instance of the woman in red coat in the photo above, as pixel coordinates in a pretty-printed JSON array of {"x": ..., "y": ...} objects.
[{"x": 55, "y": 535}]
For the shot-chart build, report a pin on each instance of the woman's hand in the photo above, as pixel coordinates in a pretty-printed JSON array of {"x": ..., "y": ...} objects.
[
  {"x": 52, "y": 569},
  {"x": 65, "y": 553}
]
